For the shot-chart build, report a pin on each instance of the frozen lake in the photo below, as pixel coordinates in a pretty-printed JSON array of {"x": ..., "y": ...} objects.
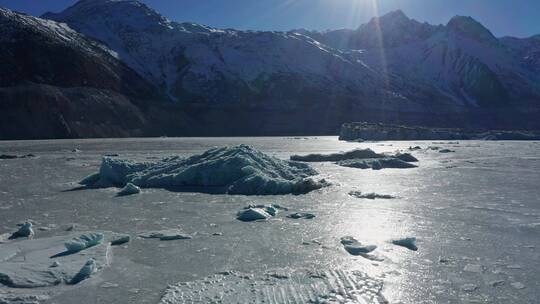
[{"x": 475, "y": 214}]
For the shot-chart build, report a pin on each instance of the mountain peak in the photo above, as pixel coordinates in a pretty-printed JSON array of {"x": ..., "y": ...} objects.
[
  {"x": 397, "y": 14},
  {"x": 468, "y": 26}
]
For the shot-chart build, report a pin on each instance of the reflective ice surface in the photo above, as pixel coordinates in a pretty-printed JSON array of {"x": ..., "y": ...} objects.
[{"x": 475, "y": 214}]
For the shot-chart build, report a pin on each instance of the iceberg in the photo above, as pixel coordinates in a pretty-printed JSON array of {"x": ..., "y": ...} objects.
[{"x": 225, "y": 170}]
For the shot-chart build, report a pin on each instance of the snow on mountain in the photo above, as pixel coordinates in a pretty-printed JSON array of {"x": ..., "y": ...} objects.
[
  {"x": 462, "y": 60},
  {"x": 526, "y": 50},
  {"x": 193, "y": 62}
]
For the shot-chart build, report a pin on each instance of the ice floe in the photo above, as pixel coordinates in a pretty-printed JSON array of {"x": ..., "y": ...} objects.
[
  {"x": 408, "y": 242},
  {"x": 372, "y": 196},
  {"x": 279, "y": 287},
  {"x": 232, "y": 170}
]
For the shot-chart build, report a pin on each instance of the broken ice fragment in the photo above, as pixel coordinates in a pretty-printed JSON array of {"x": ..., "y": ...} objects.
[
  {"x": 270, "y": 209},
  {"x": 371, "y": 196},
  {"x": 497, "y": 283},
  {"x": 90, "y": 179},
  {"x": 55, "y": 264},
  {"x": 121, "y": 240},
  {"x": 83, "y": 242},
  {"x": 446, "y": 151},
  {"x": 469, "y": 287},
  {"x": 301, "y": 215},
  {"x": 355, "y": 247},
  {"x": 129, "y": 189},
  {"x": 473, "y": 268},
  {"x": 86, "y": 271},
  {"x": 24, "y": 231},
  {"x": 253, "y": 214},
  {"x": 409, "y": 243},
  {"x": 406, "y": 157},
  {"x": 517, "y": 285},
  {"x": 376, "y": 163},
  {"x": 166, "y": 235}
]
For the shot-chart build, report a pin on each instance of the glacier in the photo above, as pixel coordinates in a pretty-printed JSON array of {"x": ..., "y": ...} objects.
[{"x": 225, "y": 170}]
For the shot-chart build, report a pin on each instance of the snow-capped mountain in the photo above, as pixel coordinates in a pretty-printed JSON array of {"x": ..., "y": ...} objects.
[
  {"x": 462, "y": 60},
  {"x": 195, "y": 63}
]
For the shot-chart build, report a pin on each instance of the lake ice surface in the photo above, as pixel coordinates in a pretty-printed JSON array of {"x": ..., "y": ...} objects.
[{"x": 475, "y": 209}]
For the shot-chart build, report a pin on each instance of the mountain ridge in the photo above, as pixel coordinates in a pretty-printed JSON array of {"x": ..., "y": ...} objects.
[{"x": 392, "y": 69}]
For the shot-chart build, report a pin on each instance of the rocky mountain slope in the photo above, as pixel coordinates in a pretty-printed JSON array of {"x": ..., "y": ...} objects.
[
  {"x": 55, "y": 82},
  {"x": 174, "y": 78}
]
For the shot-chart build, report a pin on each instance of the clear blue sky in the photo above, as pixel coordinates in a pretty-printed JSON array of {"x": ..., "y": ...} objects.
[{"x": 519, "y": 18}]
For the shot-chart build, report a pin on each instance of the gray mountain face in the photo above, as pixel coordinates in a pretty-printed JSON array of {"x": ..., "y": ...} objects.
[
  {"x": 55, "y": 82},
  {"x": 190, "y": 79}
]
